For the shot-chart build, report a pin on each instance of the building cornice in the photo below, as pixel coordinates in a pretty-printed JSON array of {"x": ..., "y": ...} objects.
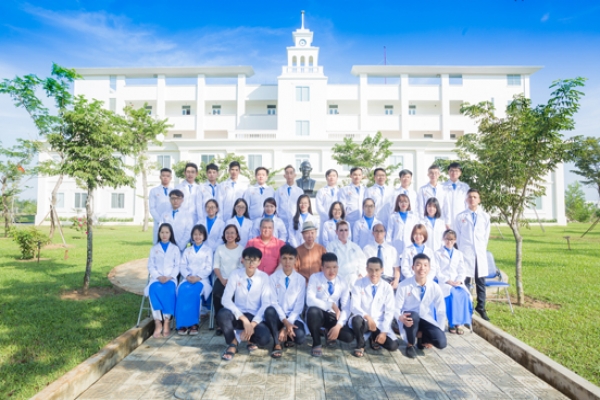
[
  {"x": 150, "y": 72},
  {"x": 391, "y": 70}
]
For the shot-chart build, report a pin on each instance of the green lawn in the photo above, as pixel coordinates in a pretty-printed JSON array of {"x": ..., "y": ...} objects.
[{"x": 42, "y": 336}]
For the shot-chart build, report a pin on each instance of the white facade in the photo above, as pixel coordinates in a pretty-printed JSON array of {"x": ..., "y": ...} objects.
[{"x": 301, "y": 117}]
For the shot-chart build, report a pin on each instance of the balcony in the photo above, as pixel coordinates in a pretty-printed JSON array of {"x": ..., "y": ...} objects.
[
  {"x": 383, "y": 92},
  {"x": 253, "y": 135},
  {"x": 423, "y": 93},
  {"x": 182, "y": 122},
  {"x": 337, "y": 122},
  {"x": 424, "y": 122},
  {"x": 342, "y": 136},
  {"x": 258, "y": 121},
  {"x": 302, "y": 70},
  {"x": 219, "y": 122},
  {"x": 342, "y": 92},
  {"x": 141, "y": 92},
  {"x": 220, "y": 92},
  {"x": 180, "y": 93},
  {"x": 382, "y": 123}
]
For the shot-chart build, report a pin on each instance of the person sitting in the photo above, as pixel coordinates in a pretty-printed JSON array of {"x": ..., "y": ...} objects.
[
  {"x": 195, "y": 269},
  {"x": 247, "y": 295},
  {"x": 269, "y": 246},
  {"x": 418, "y": 238},
  {"x": 163, "y": 267},
  {"x": 327, "y": 299},
  {"x": 309, "y": 252},
  {"x": 420, "y": 309},
  {"x": 373, "y": 311},
  {"x": 329, "y": 231},
  {"x": 386, "y": 253},
  {"x": 351, "y": 259},
  {"x": 283, "y": 317},
  {"x": 270, "y": 211}
]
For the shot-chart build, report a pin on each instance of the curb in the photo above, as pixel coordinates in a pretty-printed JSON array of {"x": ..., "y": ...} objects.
[
  {"x": 564, "y": 380},
  {"x": 80, "y": 378}
]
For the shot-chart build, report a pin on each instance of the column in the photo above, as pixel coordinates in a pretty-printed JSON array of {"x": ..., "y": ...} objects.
[
  {"x": 200, "y": 106},
  {"x": 362, "y": 98},
  {"x": 120, "y": 94},
  {"x": 160, "y": 96},
  {"x": 445, "y": 106},
  {"x": 404, "y": 125},
  {"x": 241, "y": 98},
  {"x": 420, "y": 172}
]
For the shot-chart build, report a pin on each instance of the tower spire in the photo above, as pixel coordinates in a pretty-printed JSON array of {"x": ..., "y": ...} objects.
[{"x": 302, "y": 20}]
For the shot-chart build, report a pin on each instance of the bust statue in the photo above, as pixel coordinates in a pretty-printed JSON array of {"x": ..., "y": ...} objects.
[{"x": 306, "y": 183}]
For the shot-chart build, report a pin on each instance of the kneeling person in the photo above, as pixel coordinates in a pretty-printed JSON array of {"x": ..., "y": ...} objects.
[
  {"x": 251, "y": 290},
  {"x": 283, "y": 317},
  {"x": 417, "y": 298},
  {"x": 373, "y": 311}
]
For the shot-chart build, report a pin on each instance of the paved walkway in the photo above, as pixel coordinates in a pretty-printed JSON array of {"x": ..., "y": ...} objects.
[
  {"x": 131, "y": 276},
  {"x": 190, "y": 368}
]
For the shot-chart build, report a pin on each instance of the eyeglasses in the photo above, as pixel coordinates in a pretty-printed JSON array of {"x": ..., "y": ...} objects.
[{"x": 252, "y": 260}]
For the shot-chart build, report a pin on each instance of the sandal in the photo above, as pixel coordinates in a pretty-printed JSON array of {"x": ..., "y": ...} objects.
[
  {"x": 251, "y": 347},
  {"x": 289, "y": 344},
  {"x": 277, "y": 352},
  {"x": 331, "y": 343},
  {"x": 194, "y": 330},
  {"x": 374, "y": 345},
  {"x": 460, "y": 331},
  {"x": 317, "y": 351},
  {"x": 359, "y": 353},
  {"x": 452, "y": 329},
  {"x": 228, "y": 355},
  {"x": 183, "y": 331}
]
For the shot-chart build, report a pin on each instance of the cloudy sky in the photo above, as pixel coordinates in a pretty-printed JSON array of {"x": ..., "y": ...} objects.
[{"x": 563, "y": 37}]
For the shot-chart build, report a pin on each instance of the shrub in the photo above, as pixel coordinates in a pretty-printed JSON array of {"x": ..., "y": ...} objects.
[
  {"x": 79, "y": 223},
  {"x": 27, "y": 240}
]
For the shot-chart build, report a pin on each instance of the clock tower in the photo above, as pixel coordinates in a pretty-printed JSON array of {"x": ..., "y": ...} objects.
[{"x": 302, "y": 57}]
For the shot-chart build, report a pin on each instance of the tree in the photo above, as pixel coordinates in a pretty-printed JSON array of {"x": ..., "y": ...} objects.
[
  {"x": 221, "y": 162},
  {"x": 586, "y": 156},
  {"x": 93, "y": 144},
  {"x": 577, "y": 209},
  {"x": 22, "y": 90},
  {"x": 14, "y": 164},
  {"x": 510, "y": 158},
  {"x": 372, "y": 153},
  {"x": 140, "y": 130}
]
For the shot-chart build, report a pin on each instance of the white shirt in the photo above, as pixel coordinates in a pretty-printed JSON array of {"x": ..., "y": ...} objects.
[
  {"x": 254, "y": 301},
  {"x": 380, "y": 307},
  {"x": 472, "y": 239},
  {"x": 352, "y": 200},
  {"x": 425, "y": 193},
  {"x": 382, "y": 201},
  {"x": 286, "y": 203},
  {"x": 408, "y": 298},
  {"x": 351, "y": 260},
  {"x": 362, "y": 235},
  {"x": 205, "y": 193},
  {"x": 255, "y": 199},
  {"x": 407, "y": 261},
  {"x": 456, "y": 200},
  {"x": 182, "y": 224},
  {"x": 435, "y": 233},
  {"x": 324, "y": 199},
  {"x": 317, "y": 295},
  {"x": 215, "y": 236},
  {"x": 227, "y": 260},
  {"x": 190, "y": 192},
  {"x": 158, "y": 201},
  {"x": 450, "y": 269},
  {"x": 279, "y": 229},
  {"x": 244, "y": 230},
  {"x": 390, "y": 260},
  {"x": 295, "y": 238},
  {"x": 161, "y": 263},
  {"x": 289, "y": 302},
  {"x": 398, "y": 232},
  {"x": 229, "y": 192},
  {"x": 329, "y": 233},
  {"x": 198, "y": 264}
]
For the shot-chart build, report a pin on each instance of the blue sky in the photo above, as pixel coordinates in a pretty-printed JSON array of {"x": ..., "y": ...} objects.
[{"x": 564, "y": 37}]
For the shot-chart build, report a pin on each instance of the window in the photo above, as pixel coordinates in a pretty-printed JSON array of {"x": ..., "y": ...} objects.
[
  {"x": 207, "y": 158},
  {"x": 302, "y": 128},
  {"x": 428, "y": 135},
  {"x": 164, "y": 161},
  {"x": 113, "y": 82},
  {"x": 177, "y": 136},
  {"x": 453, "y": 136},
  {"x": 397, "y": 160},
  {"x": 302, "y": 93},
  {"x": 412, "y": 110},
  {"x": 271, "y": 110},
  {"x": 149, "y": 109},
  {"x": 60, "y": 200},
  {"x": 455, "y": 80},
  {"x": 300, "y": 158},
  {"x": 112, "y": 104},
  {"x": 345, "y": 167},
  {"x": 254, "y": 161},
  {"x": 186, "y": 110},
  {"x": 538, "y": 203},
  {"x": 513, "y": 80},
  {"x": 389, "y": 110},
  {"x": 441, "y": 158},
  {"x": 216, "y": 110},
  {"x": 80, "y": 200},
  {"x": 117, "y": 200},
  {"x": 333, "y": 110}
]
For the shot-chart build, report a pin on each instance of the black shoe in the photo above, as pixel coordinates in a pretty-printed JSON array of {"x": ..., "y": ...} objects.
[
  {"x": 219, "y": 332},
  {"x": 411, "y": 352},
  {"x": 420, "y": 344},
  {"x": 483, "y": 314}
]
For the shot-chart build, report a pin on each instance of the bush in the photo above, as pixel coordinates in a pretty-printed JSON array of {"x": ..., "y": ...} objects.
[
  {"x": 79, "y": 223},
  {"x": 27, "y": 240}
]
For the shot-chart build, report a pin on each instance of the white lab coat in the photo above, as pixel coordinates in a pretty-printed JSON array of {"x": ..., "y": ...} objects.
[
  {"x": 361, "y": 234},
  {"x": 450, "y": 269},
  {"x": 204, "y": 195},
  {"x": 472, "y": 240},
  {"x": 412, "y": 197},
  {"x": 228, "y": 193},
  {"x": 189, "y": 199},
  {"x": 323, "y": 201},
  {"x": 197, "y": 264},
  {"x": 182, "y": 225},
  {"x": 215, "y": 237},
  {"x": 425, "y": 193},
  {"x": 256, "y": 200},
  {"x": 286, "y": 203},
  {"x": 380, "y": 308},
  {"x": 382, "y": 202},
  {"x": 245, "y": 231},
  {"x": 158, "y": 201},
  {"x": 288, "y": 302},
  {"x": 398, "y": 232},
  {"x": 161, "y": 263},
  {"x": 329, "y": 233},
  {"x": 435, "y": 234},
  {"x": 352, "y": 201},
  {"x": 352, "y": 261},
  {"x": 279, "y": 229},
  {"x": 407, "y": 261},
  {"x": 456, "y": 200},
  {"x": 295, "y": 238}
]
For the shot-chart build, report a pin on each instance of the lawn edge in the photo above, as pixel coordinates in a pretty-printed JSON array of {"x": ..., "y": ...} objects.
[
  {"x": 556, "y": 375},
  {"x": 80, "y": 378}
]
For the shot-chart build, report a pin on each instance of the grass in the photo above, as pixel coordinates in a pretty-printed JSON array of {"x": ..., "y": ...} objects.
[
  {"x": 569, "y": 335},
  {"x": 43, "y": 336}
]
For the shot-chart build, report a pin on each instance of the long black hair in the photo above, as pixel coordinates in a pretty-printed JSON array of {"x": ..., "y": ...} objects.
[
  {"x": 297, "y": 216},
  {"x": 171, "y": 237}
]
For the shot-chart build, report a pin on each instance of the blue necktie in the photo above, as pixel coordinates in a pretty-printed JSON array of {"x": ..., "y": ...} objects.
[
  {"x": 174, "y": 212},
  {"x": 374, "y": 290},
  {"x": 249, "y": 283},
  {"x": 454, "y": 186},
  {"x": 261, "y": 190},
  {"x": 474, "y": 218},
  {"x": 213, "y": 190},
  {"x": 232, "y": 184},
  {"x": 380, "y": 253},
  {"x": 381, "y": 190},
  {"x": 422, "y": 292},
  {"x": 331, "y": 192},
  {"x": 434, "y": 192},
  {"x": 287, "y": 281},
  {"x": 330, "y": 288},
  {"x": 165, "y": 189},
  {"x": 190, "y": 188},
  {"x": 357, "y": 189},
  {"x": 289, "y": 190}
]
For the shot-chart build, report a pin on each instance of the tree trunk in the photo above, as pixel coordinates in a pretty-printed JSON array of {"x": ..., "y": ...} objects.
[
  {"x": 54, "y": 215},
  {"x": 146, "y": 203},
  {"x": 518, "y": 264},
  {"x": 5, "y": 210},
  {"x": 89, "y": 210}
]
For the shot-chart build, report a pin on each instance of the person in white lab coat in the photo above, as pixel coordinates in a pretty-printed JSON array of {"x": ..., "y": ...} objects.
[
  {"x": 181, "y": 221},
  {"x": 405, "y": 188},
  {"x": 432, "y": 189},
  {"x": 432, "y": 219},
  {"x": 287, "y": 195},
  {"x": 158, "y": 199},
  {"x": 351, "y": 258},
  {"x": 420, "y": 309},
  {"x": 326, "y": 196},
  {"x": 336, "y": 214},
  {"x": 381, "y": 194},
  {"x": 214, "y": 225},
  {"x": 362, "y": 230},
  {"x": 163, "y": 268},
  {"x": 191, "y": 190},
  {"x": 418, "y": 238},
  {"x": 271, "y": 211},
  {"x": 372, "y": 311},
  {"x": 472, "y": 227},
  {"x": 230, "y": 190},
  {"x": 401, "y": 223},
  {"x": 208, "y": 190},
  {"x": 352, "y": 196},
  {"x": 241, "y": 219},
  {"x": 255, "y": 195},
  {"x": 303, "y": 214},
  {"x": 456, "y": 194},
  {"x": 386, "y": 253}
]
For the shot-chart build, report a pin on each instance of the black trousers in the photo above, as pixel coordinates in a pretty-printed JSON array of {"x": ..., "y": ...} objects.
[
  {"x": 317, "y": 319},
  {"x": 431, "y": 333},
  {"x": 359, "y": 327},
  {"x": 275, "y": 325},
  {"x": 479, "y": 289},
  {"x": 228, "y": 324},
  {"x": 217, "y": 294}
]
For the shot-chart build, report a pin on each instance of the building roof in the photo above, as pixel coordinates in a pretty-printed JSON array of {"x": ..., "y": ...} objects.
[
  {"x": 149, "y": 72},
  {"x": 392, "y": 70}
]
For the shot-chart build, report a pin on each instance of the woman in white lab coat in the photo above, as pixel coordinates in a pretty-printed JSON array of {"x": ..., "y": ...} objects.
[
  {"x": 213, "y": 224},
  {"x": 418, "y": 238},
  {"x": 401, "y": 223},
  {"x": 336, "y": 214},
  {"x": 435, "y": 225},
  {"x": 241, "y": 219},
  {"x": 303, "y": 214},
  {"x": 362, "y": 230},
  {"x": 270, "y": 211}
]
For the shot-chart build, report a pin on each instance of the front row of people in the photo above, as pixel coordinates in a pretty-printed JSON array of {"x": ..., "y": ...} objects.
[{"x": 257, "y": 308}]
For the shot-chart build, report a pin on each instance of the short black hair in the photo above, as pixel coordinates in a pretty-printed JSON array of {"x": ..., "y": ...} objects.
[
  {"x": 329, "y": 171},
  {"x": 237, "y": 239},
  {"x": 212, "y": 201},
  {"x": 405, "y": 172},
  {"x": 454, "y": 165},
  {"x": 433, "y": 166},
  {"x": 355, "y": 169},
  {"x": 166, "y": 170},
  {"x": 343, "y": 216},
  {"x": 328, "y": 257},
  {"x": 379, "y": 169},
  {"x": 252, "y": 252},
  {"x": 473, "y": 190},
  {"x": 288, "y": 167},
  {"x": 190, "y": 164},
  {"x": 289, "y": 250},
  {"x": 375, "y": 260},
  {"x": 234, "y": 164},
  {"x": 212, "y": 166},
  {"x": 261, "y": 168},
  {"x": 200, "y": 228},
  {"x": 421, "y": 256},
  {"x": 176, "y": 193}
]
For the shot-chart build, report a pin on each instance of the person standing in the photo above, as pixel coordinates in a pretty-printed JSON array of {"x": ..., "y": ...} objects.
[
  {"x": 456, "y": 194},
  {"x": 353, "y": 195},
  {"x": 191, "y": 190},
  {"x": 381, "y": 195},
  {"x": 256, "y": 195},
  {"x": 230, "y": 190},
  {"x": 327, "y": 195},
  {"x": 287, "y": 195},
  {"x": 158, "y": 199}
]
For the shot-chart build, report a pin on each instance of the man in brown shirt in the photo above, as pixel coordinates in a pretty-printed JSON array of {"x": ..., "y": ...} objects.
[{"x": 309, "y": 252}]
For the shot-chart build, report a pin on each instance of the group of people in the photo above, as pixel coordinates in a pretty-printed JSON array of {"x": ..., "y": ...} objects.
[{"x": 374, "y": 260}]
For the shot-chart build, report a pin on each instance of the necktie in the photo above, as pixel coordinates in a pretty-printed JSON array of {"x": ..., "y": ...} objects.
[
  {"x": 330, "y": 284},
  {"x": 174, "y": 212},
  {"x": 454, "y": 186},
  {"x": 406, "y": 192},
  {"x": 261, "y": 190},
  {"x": 357, "y": 189},
  {"x": 287, "y": 281},
  {"x": 250, "y": 284},
  {"x": 165, "y": 189},
  {"x": 380, "y": 253},
  {"x": 190, "y": 188},
  {"x": 474, "y": 218},
  {"x": 232, "y": 184},
  {"x": 422, "y": 292},
  {"x": 289, "y": 190},
  {"x": 331, "y": 192},
  {"x": 374, "y": 290},
  {"x": 213, "y": 190},
  {"x": 434, "y": 190},
  {"x": 381, "y": 190}
]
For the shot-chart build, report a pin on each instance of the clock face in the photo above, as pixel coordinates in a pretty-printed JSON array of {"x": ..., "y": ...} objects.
[{"x": 302, "y": 42}]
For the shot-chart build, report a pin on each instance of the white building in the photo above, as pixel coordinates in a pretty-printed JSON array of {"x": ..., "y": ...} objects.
[{"x": 299, "y": 118}]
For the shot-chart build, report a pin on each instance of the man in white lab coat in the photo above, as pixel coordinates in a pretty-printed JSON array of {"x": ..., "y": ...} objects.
[{"x": 158, "y": 199}]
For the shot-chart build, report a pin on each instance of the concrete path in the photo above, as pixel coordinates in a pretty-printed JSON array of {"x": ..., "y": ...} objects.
[
  {"x": 190, "y": 368},
  {"x": 131, "y": 276}
]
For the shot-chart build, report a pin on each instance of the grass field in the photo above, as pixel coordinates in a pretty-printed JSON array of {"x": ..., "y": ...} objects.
[{"x": 43, "y": 336}]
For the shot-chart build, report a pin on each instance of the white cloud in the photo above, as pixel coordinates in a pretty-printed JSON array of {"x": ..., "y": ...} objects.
[{"x": 545, "y": 17}]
